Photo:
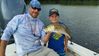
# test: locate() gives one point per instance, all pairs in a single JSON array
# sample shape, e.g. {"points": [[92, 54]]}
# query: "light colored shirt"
{"points": [[23, 27]]}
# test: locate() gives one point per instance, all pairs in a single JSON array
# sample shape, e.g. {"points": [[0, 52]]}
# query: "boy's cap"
{"points": [[35, 4], [53, 11]]}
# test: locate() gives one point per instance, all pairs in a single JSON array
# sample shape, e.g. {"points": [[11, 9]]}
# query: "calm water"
{"points": [[83, 22]]}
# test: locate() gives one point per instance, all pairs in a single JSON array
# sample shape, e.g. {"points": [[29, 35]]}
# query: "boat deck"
{"points": [[11, 51], [73, 50]]}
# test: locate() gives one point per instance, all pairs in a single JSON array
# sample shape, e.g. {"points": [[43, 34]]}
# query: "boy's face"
{"points": [[53, 18]]}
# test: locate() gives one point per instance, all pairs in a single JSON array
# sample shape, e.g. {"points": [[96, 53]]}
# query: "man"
{"points": [[27, 32], [57, 33]]}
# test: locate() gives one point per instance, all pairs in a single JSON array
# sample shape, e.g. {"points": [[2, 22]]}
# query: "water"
{"points": [[83, 22]]}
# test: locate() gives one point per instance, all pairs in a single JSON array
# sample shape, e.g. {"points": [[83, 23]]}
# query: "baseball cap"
{"points": [[35, 4], [53, 11]]}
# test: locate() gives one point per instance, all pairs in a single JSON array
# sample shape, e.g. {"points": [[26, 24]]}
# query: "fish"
{"points": [[57, 29]]}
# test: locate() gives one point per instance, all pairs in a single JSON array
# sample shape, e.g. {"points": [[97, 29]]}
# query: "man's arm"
{"points": [[3, 47], [9, 30], [0, 41]]}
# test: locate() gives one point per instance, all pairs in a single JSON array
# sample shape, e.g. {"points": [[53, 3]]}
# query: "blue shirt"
{"points": [[23, 27], [56, 42]]}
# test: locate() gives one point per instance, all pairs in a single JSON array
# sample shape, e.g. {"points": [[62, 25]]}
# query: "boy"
{"points": [[57, 34]]}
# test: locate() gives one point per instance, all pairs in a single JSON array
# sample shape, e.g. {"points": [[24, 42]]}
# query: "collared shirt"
{"points": [[23, 27]]}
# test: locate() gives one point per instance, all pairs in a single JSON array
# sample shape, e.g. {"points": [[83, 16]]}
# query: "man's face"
{"points": [[34, 12], [53, 18]]}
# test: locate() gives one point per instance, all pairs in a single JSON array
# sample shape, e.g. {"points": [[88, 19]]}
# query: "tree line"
{"points": [[71, 2], [68, 2]]}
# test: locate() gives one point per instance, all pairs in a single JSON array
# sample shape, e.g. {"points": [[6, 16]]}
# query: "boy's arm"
{"points": [[3, 47], [46, 37], [65, 43]]}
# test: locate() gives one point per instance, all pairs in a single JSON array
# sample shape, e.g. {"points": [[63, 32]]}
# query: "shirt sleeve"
{"points": [[10, 29]]}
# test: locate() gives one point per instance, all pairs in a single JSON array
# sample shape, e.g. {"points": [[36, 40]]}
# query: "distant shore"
{"points": [[68, 2]]}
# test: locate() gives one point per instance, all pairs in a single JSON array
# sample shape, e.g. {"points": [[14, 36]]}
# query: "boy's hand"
{"points": [[46, 37], [48, 33]]}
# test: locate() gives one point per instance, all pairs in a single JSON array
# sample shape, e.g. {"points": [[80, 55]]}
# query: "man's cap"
{"points": [[35, 4], [53, 11]]}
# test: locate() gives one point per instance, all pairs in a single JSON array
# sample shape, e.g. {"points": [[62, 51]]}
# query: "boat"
{"points": [[73, 50]]}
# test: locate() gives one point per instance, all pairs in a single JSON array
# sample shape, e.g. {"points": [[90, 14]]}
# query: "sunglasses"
{"points": [[39, 9]]}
